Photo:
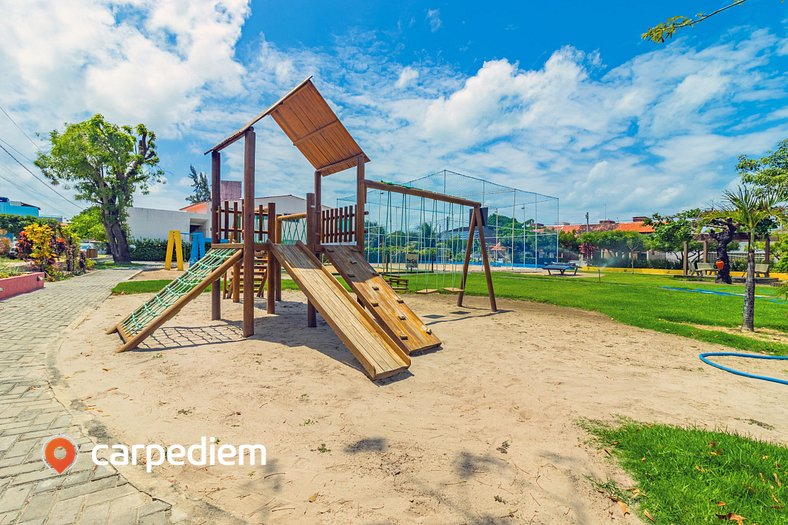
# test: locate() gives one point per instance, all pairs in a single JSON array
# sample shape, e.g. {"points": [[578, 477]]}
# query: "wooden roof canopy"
{"points": [[313, 127]]}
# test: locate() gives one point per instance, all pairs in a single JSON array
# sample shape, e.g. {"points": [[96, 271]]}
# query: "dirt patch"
{"points": [[483, 430]]}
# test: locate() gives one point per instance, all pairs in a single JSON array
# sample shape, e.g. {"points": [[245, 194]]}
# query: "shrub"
{"points": [[36, 244], [7, 271], [5, 246], [153, 250]]}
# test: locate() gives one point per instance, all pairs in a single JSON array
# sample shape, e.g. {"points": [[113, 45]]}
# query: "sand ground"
{"points": [[484, 430]]}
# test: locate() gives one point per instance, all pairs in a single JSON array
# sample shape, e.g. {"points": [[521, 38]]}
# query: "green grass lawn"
{"points": [[634, 299], [697, 477], [640, 300]]}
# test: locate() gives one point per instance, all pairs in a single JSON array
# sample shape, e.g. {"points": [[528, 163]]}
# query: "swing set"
{"points": [[431, 248]]}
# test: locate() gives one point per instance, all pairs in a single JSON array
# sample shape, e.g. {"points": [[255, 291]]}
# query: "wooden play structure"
{"points": [[373, 321]]}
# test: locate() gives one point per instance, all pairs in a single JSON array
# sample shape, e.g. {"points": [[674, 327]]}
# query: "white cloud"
{"points": [[133, 61], [656, 133], [434, 19], [406, 76]]}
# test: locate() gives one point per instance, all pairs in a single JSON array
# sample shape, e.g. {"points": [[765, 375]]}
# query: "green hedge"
{"points": [[156, 249]]}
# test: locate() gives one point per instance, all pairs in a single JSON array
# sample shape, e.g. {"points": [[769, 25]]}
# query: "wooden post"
{"points": [[468, 250], [270, 257], [485, 259], [318, 213], [705, 250], [273, 267], [216, 177], [361, 199], [311, 231], [685, 265], [248, 232]]}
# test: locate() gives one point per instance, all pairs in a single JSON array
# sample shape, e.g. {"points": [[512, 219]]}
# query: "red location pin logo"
{"points": [[60, 453]]}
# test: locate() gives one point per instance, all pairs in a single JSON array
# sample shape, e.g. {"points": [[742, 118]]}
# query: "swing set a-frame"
{"points": [[373, 322]]}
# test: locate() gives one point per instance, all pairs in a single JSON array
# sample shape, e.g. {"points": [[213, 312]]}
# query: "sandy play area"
{"points": [[484, 430]]}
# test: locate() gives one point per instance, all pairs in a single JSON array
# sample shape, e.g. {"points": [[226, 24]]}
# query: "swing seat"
{"points": [[452, 290], [427, 290]]}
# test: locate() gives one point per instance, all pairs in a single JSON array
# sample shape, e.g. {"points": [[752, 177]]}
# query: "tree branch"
{"points": [[660, 32]]}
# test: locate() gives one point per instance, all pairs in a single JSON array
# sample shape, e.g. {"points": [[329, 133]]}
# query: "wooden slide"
{"points": [[378, 297], [377, 352]]}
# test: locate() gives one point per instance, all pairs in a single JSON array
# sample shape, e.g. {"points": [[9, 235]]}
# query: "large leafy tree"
{"points": [[769, 171], [672, 231], [87, 225], [748, 207], [106, 164], [201, 191]]}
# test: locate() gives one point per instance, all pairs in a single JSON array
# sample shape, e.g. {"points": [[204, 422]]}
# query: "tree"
{"points": [[748, 207], [200, 190], [568, 242], [106, 164], [87, 225], [665, 30], [672, 231], [769, 171], [722, 230]]}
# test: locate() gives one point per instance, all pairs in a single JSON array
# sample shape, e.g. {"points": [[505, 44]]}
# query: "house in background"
{"points": [[149, 223], [9, 207]]}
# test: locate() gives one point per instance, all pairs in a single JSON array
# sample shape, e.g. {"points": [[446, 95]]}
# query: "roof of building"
{"points": [[19, 203], [313, 127], [635, 226]]}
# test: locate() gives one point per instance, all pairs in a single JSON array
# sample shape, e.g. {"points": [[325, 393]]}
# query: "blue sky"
{"points": [[561, 97]]}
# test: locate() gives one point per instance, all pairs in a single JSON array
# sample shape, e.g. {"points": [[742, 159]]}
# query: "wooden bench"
{"points": [[761, 270], [702, 269], [560, 267]]}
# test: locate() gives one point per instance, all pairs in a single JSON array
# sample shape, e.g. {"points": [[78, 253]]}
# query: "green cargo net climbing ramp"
{"points": [[158, 310]]}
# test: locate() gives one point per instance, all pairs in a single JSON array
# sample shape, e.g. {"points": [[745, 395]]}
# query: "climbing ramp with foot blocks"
{"points": [[379, 354], [378, 297], [143, 321]]}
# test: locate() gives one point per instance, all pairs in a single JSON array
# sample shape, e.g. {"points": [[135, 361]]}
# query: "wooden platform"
{"points": [[390, 310], [377, 352]]}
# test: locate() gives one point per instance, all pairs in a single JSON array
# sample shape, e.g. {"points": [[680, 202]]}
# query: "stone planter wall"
{"points": [[11, 286]]}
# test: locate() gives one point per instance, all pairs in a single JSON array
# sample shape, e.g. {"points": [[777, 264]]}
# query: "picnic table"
{"points": [[560, 267]]}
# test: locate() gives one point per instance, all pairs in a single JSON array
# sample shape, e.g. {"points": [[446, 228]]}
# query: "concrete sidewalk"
{"points": [[30, 491]]}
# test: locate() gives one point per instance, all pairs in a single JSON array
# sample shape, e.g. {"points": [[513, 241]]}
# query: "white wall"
{"points": [[285, 204], [148, 223]]}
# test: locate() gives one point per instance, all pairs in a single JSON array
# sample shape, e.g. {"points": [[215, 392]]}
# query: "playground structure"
{"points": [[376, 325]]}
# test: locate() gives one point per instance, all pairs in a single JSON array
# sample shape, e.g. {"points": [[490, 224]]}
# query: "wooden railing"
{"points": [[229, 217], [338, 225]]}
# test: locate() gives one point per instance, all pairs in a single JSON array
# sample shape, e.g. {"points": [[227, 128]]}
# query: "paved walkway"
{"points": [[31, 492]]}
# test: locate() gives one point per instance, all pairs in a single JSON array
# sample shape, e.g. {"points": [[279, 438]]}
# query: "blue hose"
{"points": [[704, 357]]}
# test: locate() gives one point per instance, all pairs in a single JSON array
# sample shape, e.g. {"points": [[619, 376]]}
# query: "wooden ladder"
{"points": [[234, 279]]}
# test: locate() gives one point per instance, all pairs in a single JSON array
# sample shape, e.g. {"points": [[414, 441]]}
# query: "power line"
{"points": [[25, 191], [19, 128], [40, 180], [19, 152]]}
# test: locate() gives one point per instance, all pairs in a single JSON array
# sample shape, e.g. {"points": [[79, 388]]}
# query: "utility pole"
{"points": [[588, 225]]}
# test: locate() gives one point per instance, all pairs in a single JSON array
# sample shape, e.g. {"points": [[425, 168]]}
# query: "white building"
{"points": [[149, 223]]}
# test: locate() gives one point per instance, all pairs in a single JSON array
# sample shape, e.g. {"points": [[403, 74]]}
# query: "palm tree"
{"points": [[748, 206]]}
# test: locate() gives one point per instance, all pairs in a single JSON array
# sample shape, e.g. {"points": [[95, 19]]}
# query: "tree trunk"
{"points": [[116, 238], [724, 238], [121, 255], [748, 322], [767, 253]]}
